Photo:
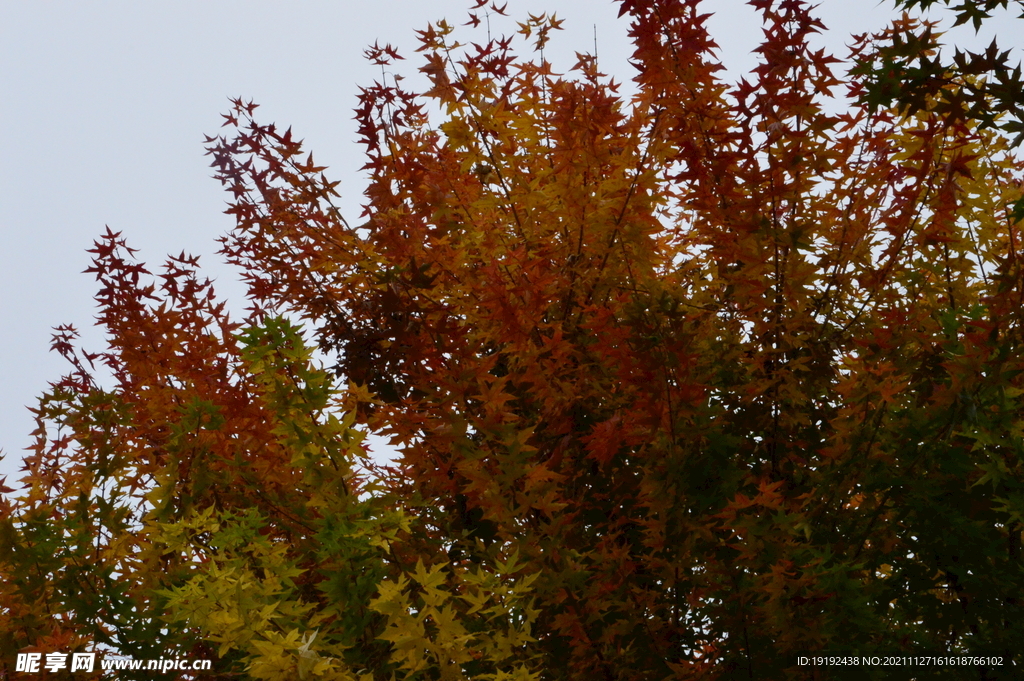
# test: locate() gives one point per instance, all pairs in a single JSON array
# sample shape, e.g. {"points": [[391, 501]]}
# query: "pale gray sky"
{"points": [[105, 103]]}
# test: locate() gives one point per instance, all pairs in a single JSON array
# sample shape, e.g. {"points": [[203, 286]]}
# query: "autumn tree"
{"points": [[682, 384]]}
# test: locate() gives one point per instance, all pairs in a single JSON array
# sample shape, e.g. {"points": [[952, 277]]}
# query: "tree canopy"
{"points": [[682, 384]]}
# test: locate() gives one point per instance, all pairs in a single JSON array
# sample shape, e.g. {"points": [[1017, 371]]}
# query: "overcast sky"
{"points": [[104, 104]]}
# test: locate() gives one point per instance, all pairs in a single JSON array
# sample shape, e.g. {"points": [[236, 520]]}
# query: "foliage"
{"points": [[208, 506], [683, 384], [908, 70]]}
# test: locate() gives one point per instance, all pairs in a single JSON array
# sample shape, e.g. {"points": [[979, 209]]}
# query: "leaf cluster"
{"points": [[907, 69]]}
